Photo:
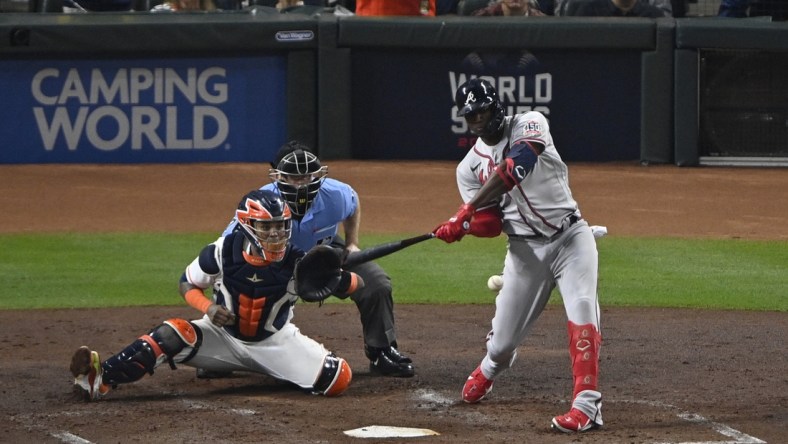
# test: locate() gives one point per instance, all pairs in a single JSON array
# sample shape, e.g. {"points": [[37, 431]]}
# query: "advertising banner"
{"points": [[403, 101], [142, 110]]}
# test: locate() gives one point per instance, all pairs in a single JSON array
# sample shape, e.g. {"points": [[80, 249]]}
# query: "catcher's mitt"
{"points": [[318, 274]]}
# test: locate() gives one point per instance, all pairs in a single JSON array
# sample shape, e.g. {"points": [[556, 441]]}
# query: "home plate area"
{"points": [[379, 431]]}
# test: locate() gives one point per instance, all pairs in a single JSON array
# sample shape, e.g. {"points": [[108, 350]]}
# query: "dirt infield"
{"points": [[668, 375]]}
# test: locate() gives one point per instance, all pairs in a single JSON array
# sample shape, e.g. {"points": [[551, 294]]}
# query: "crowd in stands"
{"points": [[777, 10]]}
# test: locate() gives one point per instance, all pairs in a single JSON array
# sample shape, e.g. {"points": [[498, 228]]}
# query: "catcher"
{"points": [[260, 275]]}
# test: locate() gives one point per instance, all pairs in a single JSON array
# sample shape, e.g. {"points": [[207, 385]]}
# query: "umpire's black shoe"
{"points": [[389, 362]]}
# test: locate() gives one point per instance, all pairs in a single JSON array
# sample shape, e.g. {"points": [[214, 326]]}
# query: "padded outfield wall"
{"points": [[151, 88], [590, 77], [232, 86]]}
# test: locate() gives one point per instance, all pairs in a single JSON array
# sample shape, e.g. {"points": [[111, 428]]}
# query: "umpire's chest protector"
{"points": [[259, 293]]}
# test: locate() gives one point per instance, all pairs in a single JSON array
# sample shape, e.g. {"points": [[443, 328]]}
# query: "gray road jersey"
{"points": [[539, 204]]}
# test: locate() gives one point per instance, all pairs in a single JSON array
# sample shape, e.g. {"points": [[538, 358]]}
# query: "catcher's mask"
{"points": [[299, 175], [265, 220], [476, 96]]}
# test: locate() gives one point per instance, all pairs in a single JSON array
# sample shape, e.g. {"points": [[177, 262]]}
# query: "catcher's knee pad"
{"points": [[334, 378], [148, 351], [185, 335], [584, 344]]}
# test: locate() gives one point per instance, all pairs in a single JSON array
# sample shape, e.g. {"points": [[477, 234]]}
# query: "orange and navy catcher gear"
{"points": [[165, 342], [334, 378], [256, 293], [265, 220]]}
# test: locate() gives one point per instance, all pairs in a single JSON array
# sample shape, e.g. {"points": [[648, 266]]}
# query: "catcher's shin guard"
{"points": [[334, 378], [148, 351], [584, 344]]}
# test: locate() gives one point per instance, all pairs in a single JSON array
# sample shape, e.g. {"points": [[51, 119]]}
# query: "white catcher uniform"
{"points": [[549, 244]]}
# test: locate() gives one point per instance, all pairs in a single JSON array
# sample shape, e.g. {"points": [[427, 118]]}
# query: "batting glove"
{"points": [[455, 228]]}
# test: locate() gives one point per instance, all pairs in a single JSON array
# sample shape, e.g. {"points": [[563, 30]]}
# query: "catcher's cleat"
{"points": [[389, 362], [476, 387], [87, 371], [573, 421], [212, 374]]}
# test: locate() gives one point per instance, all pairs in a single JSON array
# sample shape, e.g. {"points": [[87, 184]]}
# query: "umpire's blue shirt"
{"points": [[335, 202]]}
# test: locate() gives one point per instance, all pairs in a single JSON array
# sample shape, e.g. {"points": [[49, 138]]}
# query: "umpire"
{"points": [[319, 204]]}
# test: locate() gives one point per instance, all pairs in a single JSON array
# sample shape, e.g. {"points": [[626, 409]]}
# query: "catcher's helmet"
{"points": [[478, 95], [298, 175], [265, 220]]}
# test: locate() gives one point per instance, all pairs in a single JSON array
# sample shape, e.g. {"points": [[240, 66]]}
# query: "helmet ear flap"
{"points": [[496, 120]]}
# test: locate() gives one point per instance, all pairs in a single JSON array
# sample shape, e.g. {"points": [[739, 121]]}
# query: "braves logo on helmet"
{"points": [[471, 98]]}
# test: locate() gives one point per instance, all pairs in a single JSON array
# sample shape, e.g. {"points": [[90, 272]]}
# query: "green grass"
{"points": [[98, 270], [727, 274], [81, 270]]}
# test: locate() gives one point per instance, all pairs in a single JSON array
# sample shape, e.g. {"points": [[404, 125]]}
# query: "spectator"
{"points": [[507, 8], [733, 8], [394, 7], [350, 5], [613, 8], [310, 7], [185, 5], [297, 6], [563, 6], [468, 7], [665, 5], [96, 5], [446, 7], [776, 9]]}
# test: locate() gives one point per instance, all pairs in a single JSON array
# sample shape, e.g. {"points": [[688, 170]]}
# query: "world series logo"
{"points": [[519, 78]]}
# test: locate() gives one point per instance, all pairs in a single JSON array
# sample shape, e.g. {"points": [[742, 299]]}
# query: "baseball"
{"points": [[495, 282]]}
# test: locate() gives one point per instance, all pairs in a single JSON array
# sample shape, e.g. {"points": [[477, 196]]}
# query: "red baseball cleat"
{"points": [[476, 387], [574, 421]]}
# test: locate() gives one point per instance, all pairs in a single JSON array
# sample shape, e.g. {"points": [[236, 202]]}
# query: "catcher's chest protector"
{"points": [[259, 294]]}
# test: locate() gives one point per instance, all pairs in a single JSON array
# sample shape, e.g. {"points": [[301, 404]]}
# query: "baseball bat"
{"points": [[378, 251]]}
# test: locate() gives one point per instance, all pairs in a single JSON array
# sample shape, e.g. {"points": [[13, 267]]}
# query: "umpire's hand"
{"points": [[220, 316]]}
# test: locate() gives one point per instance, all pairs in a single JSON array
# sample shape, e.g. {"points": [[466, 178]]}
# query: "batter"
{"points": [[513, 180]]}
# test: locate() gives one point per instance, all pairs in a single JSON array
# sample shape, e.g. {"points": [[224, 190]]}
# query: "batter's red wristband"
{"points": [[506, 175]]}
